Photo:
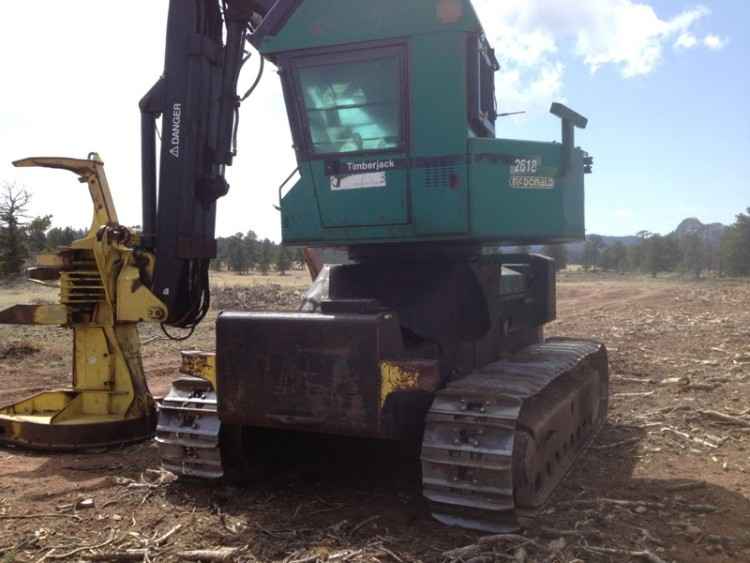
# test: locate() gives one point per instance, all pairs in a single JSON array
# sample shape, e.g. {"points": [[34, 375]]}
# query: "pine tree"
{"points": [[299, 257], [559, 253], [283, 261], [743, 251], [236, 254], [661, 254], [57, 237], [13, 248], [672, 257], [222, 254], [266, 255], [215, 265], [607, 258], [652, 252], [37, 233], [620, 257], [735, 247], [694, 254], [614, 258], [252, 252], [636, 254], [592, 252], [634, 258]]}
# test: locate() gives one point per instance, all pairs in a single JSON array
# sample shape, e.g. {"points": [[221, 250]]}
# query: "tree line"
{"points": [[244, 252], [22, 236], [692, 253]]}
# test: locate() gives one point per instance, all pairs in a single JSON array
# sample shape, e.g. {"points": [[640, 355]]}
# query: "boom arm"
{"points": [[199, 105]]}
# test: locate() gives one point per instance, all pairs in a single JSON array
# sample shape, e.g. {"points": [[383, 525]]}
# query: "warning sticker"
{"points": [[358, 181]]}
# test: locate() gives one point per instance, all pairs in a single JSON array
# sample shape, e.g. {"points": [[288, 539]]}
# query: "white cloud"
{"points": [[523, 47], [630, 36], [532, 36], [624, 33], [686, 41], [714, 42], [525, 89]]}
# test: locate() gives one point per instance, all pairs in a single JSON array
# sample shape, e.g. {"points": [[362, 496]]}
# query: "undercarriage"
{"points": [[498, 412]]}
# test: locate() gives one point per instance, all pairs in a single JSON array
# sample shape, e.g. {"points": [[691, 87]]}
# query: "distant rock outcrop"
{"points": [[575, 249], [712, 232]]}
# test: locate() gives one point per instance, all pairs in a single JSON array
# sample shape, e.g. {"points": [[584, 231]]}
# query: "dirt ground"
{"points": [[668, 479]]}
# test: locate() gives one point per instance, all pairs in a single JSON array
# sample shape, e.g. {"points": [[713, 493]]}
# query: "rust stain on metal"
{"points": [[199, 364], [73, 437], [408, 375], [43, 274], [449, 11], [315, 387], [18, 315], [34, 315], [136, 284]]}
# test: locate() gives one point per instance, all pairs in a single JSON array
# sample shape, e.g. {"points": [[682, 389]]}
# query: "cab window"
{"points": [[352, 106], [482, 65]]}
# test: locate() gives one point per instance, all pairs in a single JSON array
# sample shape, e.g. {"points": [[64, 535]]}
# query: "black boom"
{"points": [[197, 100]]}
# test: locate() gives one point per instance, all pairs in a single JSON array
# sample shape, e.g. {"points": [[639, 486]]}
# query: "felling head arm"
{"points": [[90, 171], [101, 276]]}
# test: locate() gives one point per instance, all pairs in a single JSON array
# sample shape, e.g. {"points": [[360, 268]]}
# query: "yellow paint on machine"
{"points": [[200, 364], [102, 297], [407, 376]]}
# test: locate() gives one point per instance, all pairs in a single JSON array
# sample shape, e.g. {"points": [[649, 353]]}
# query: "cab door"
{"points": [[353, 112]]}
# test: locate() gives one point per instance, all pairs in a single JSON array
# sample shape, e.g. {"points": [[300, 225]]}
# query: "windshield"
{"points": [[353, 106]]}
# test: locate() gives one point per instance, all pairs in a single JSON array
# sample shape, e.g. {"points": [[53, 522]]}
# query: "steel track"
{"points": [[188, 430], [500, 439]]}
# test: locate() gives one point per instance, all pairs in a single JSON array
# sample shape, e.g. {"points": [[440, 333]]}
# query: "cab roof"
{"points": [[307, 24]]}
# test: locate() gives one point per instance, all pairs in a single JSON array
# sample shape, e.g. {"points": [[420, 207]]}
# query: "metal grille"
{"points": [[82, 284], [439, 176]]}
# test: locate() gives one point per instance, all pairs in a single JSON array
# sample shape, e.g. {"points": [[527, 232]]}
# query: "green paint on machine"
{"points": [[392, 108]]}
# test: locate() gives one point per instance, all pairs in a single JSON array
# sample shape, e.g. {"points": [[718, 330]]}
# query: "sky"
{"points": [[665, 85]]}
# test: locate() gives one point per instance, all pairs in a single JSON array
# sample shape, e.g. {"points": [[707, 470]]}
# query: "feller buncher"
{"points": [[429, 333]]}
